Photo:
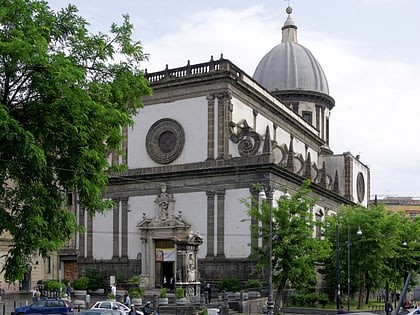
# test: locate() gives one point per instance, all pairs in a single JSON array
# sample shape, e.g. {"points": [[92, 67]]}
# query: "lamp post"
{"points": [[337, 266], [359, 232], [270, 302]]}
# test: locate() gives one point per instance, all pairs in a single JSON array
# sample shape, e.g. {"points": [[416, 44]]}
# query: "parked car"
{"points": [[410, 312], [112, 305], [100, 311], [47, 306]]}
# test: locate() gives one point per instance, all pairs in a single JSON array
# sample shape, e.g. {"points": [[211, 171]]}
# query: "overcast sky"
{"points": [[369, 50]]}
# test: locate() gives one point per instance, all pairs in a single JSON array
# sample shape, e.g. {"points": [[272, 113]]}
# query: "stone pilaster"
{"points": [[220, 223], [210, 223]]}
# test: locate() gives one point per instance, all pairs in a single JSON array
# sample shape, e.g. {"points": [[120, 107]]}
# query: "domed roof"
{"points": [[290, 66]]}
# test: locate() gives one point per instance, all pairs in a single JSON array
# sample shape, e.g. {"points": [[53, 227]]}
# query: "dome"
{"points": [[290, 66]]}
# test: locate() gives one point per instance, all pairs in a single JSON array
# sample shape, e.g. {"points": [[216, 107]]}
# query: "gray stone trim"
{"points": [[254, 222], [89, 240], [82, 244], [210, 223], [124, 229], [348, 173], [116, 229], [222, 123], [220, 223], [210, 127], [167, 151], [230, 174]]}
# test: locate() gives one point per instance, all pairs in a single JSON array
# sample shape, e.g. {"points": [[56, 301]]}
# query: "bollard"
{"points": [[4, 309]]}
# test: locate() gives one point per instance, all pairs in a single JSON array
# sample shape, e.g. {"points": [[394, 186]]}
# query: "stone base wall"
{"points": [[125, 266], [214, 269]]}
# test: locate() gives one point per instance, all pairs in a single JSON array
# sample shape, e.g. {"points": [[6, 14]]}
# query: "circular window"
{"points": [[165, 141], [360, 187]]}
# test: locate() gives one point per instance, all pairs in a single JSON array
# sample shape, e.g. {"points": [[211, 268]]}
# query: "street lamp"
{"points": [[270, 302], [359, 232]]}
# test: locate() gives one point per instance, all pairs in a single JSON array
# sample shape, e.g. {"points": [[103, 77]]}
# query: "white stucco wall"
{"points": [[360, 168], [195, 148], [237, 230], [102, 235]]}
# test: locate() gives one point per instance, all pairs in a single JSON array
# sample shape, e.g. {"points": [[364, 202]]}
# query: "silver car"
{"points": [[112, 305]]}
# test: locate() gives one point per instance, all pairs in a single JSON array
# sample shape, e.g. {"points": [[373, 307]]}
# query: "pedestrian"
{"points": [[341, 310], [147, 309], [127, 300], [388, 308], [132, 310], [207, 290], [69, 291], [113, 290]]}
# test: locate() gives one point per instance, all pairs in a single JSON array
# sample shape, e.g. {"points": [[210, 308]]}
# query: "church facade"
{"points": [[206, 136]]}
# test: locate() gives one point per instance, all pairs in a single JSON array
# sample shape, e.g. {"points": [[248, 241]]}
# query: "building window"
{"points": [[307, 116]]}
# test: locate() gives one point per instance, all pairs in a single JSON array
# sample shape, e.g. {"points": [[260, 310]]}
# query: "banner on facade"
{"points": [[165, 254]]}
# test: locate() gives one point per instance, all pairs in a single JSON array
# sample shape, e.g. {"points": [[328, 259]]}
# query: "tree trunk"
{"points": [[278, 302], [367, 295], [360, 298]]}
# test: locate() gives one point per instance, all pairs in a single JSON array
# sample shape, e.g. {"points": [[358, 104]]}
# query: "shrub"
{"points": [[298, 300], [180, 293], [53, 285], [253, 284], [323, 299], [80, 283], [230, 284], [97, 279], [136, 292], [120, 277], [312, 298], [110, 296], [137, 280], [164, 293]]}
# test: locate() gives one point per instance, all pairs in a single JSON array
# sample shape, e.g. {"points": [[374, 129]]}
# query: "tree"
{"points": [[65, 97], [296, 251], [380, 246]]}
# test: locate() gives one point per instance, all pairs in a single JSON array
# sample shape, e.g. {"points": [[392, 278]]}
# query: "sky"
{"points": [[368, 49]]}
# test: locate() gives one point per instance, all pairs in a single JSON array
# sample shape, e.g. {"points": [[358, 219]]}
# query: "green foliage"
{"points": [[163, 293], [295, 251], [137, 280], [253, 284], [110, 296], [323, 299], [380, 246], [80, 283], [179, 293], [121, 277], [229, 284], [53, 285], [309, 300], [97, 279], [137, 292], [65, 96]]}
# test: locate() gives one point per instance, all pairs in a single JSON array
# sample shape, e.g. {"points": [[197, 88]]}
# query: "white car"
{"points": [[412, 312], [112, 305]]}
